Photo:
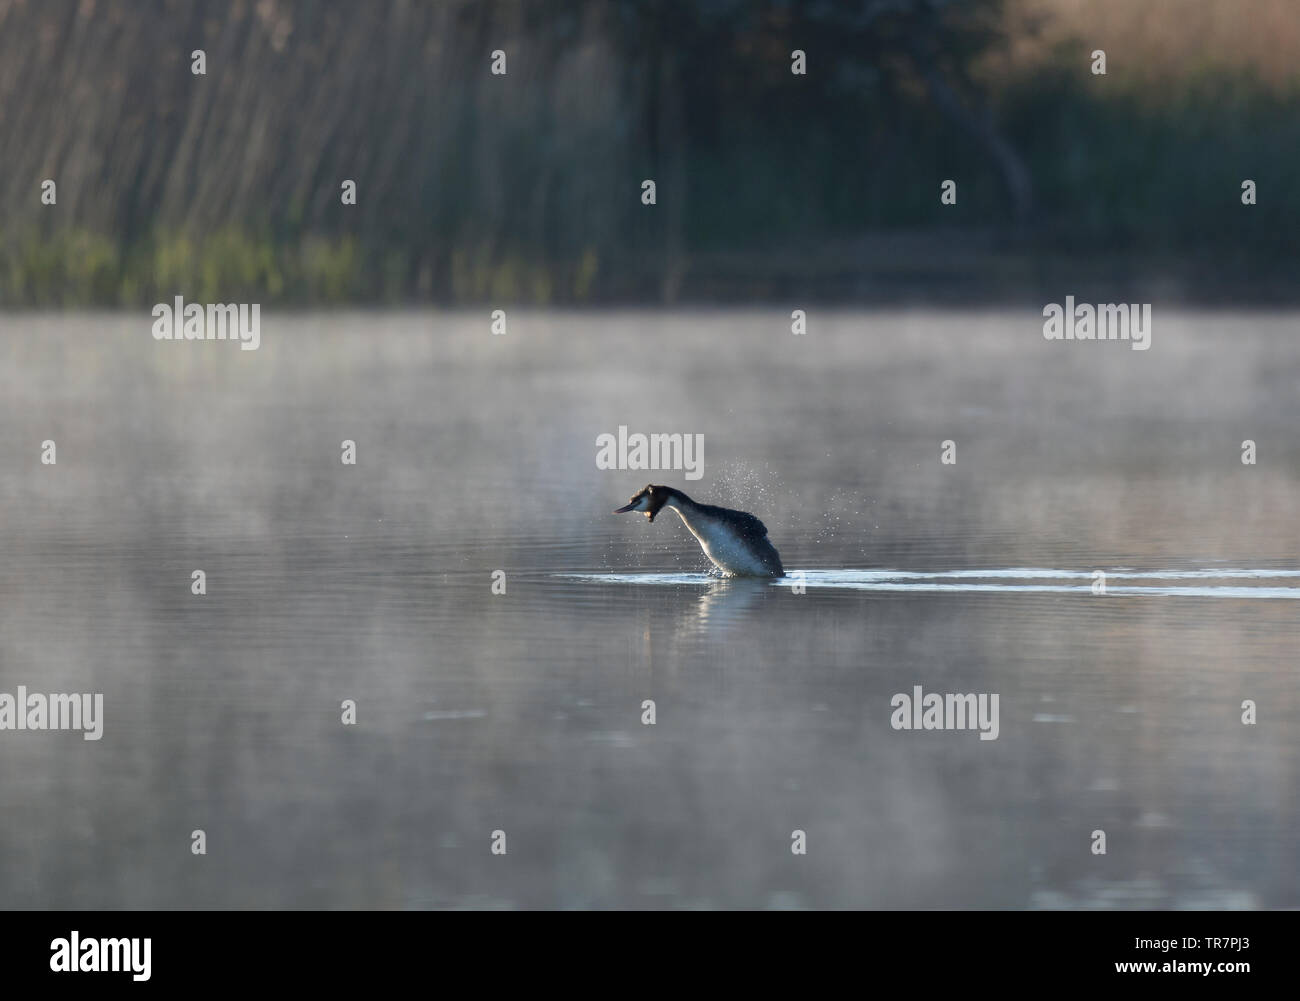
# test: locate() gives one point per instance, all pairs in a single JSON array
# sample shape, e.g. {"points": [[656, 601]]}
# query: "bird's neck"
{"points": [[685, 508]]}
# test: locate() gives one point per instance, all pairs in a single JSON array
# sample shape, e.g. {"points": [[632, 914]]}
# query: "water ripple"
{"points": [[1011, 580]]}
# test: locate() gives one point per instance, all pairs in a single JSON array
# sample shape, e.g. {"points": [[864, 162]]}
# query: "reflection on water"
{"points": [[727, 602], [523, 712]]}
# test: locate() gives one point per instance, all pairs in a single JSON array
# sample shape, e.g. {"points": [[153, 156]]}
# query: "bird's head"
{"points": [[648, 501]]}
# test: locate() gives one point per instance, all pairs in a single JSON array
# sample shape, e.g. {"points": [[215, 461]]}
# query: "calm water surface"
{"points": [[522, 712]]}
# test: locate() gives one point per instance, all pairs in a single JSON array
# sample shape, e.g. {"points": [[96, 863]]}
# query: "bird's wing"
{"points": [[746, 523]]}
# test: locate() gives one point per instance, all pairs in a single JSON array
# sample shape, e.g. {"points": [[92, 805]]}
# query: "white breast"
{"points": [[729, 552]]}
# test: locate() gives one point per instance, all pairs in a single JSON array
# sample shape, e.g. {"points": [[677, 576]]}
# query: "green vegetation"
{"points": [[525, 188]]}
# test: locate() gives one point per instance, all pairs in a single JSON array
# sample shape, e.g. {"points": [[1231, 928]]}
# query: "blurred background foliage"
{"points": [[526, 188]]}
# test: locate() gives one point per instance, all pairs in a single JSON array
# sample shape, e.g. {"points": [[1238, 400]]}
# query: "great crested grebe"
{"points": [[735, 541]]}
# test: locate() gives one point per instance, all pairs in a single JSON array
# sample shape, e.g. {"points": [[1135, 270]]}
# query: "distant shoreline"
{"points": [[954, 269]]}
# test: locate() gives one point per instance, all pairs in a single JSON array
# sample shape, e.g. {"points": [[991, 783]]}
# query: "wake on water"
{"points": [[1012, 580]]}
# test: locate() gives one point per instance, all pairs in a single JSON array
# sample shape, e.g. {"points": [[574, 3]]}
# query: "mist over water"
{"points": [[522, 712]]}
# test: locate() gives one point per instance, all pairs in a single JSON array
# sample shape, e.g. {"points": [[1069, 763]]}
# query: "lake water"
{"points": [[1119, 712]]}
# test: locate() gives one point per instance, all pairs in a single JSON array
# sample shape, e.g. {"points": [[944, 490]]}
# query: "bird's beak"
{"points": [[625, 508]]}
